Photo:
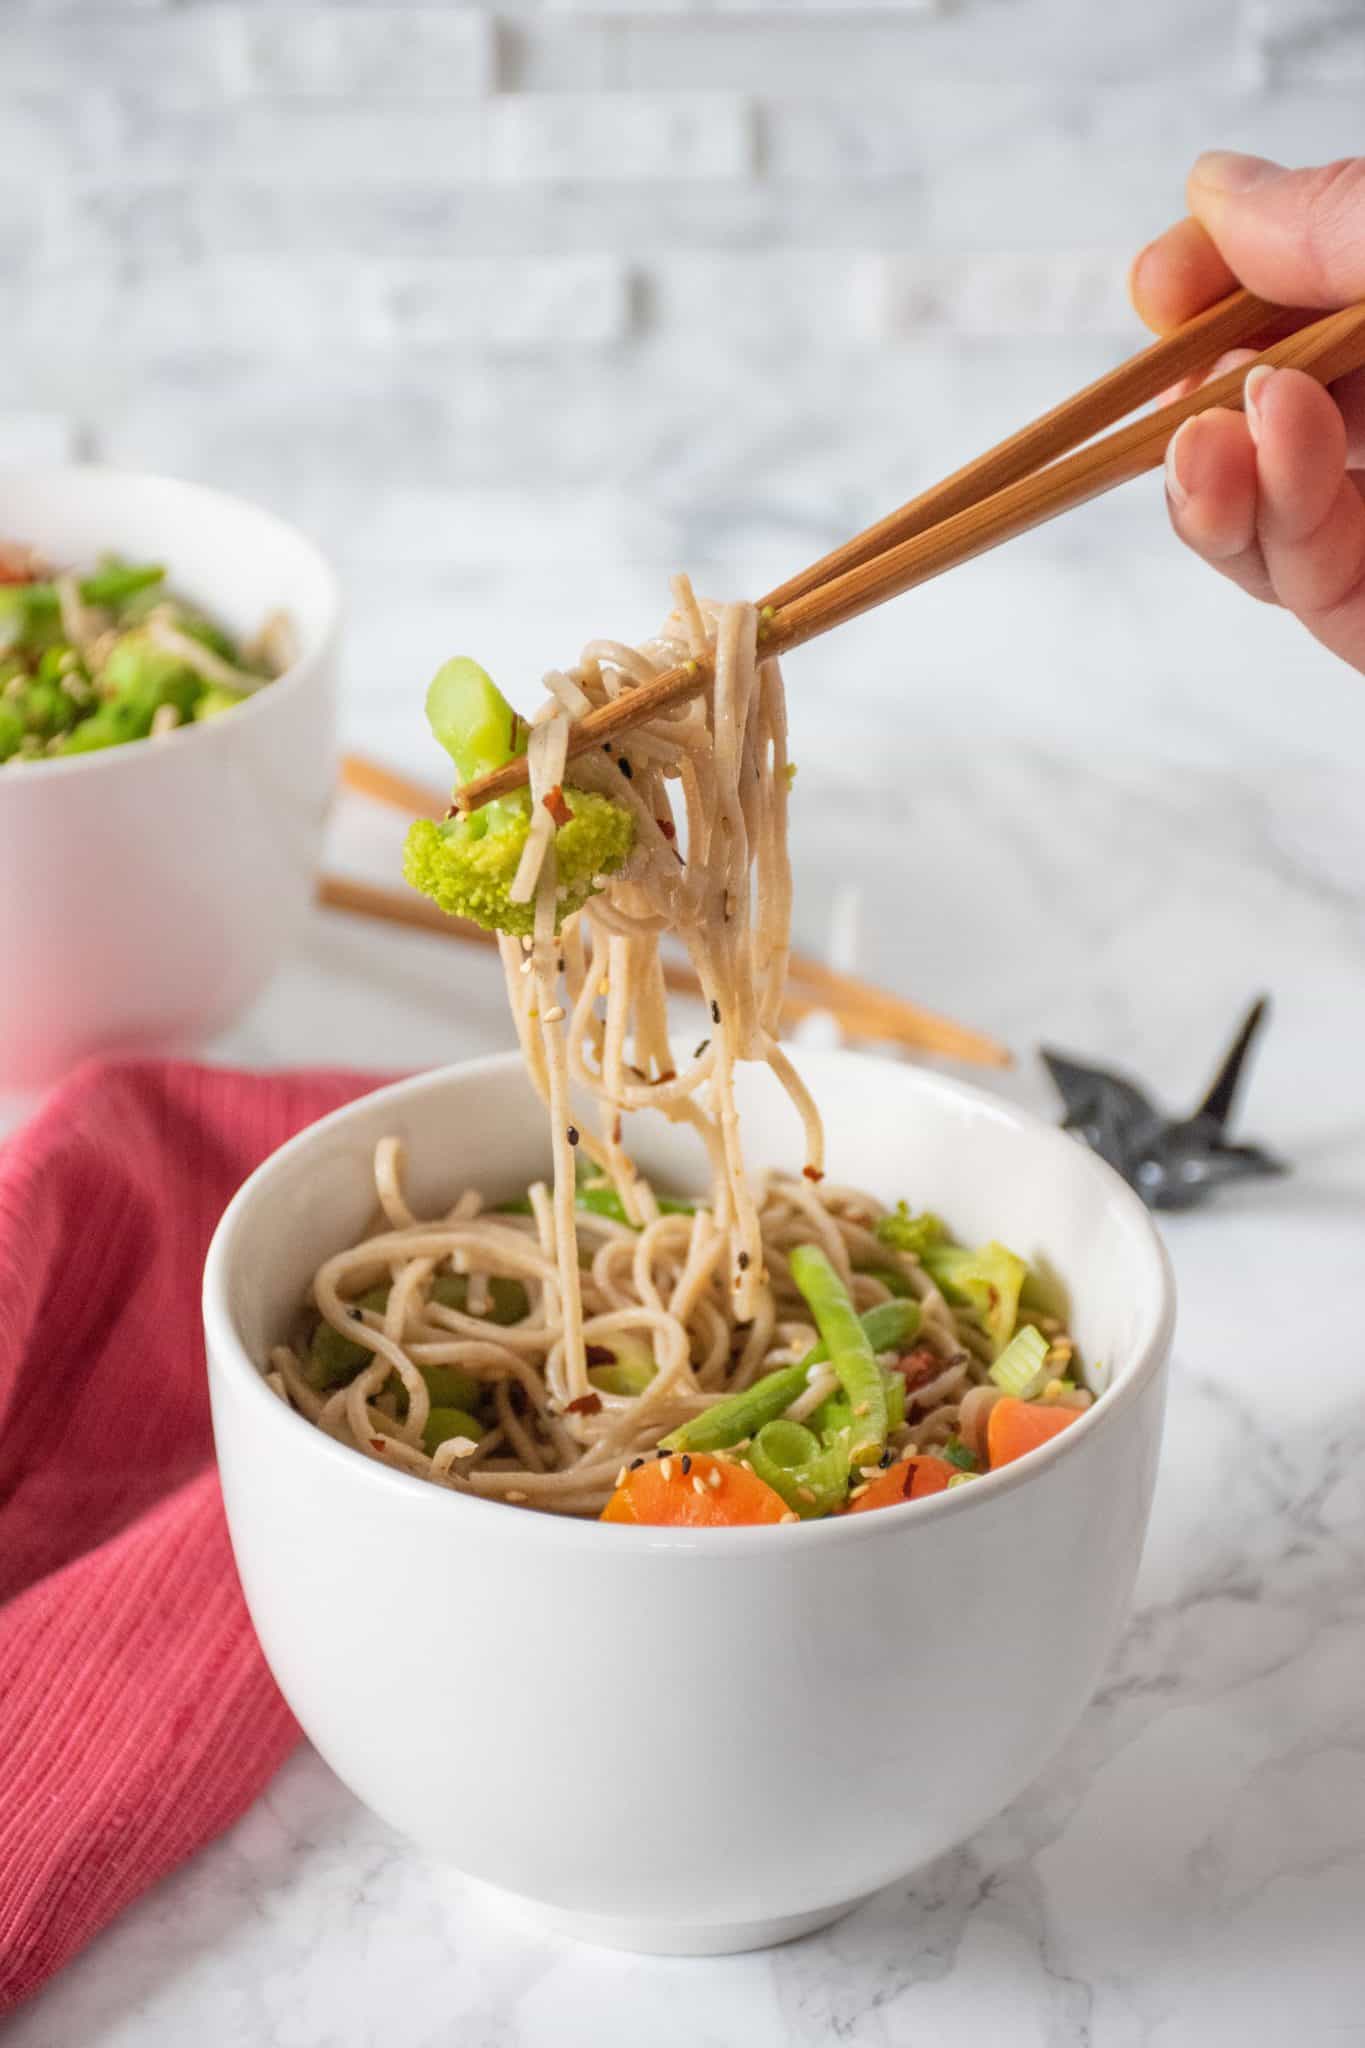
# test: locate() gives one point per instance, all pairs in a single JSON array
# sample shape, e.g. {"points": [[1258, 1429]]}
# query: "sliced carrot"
{"points": [[661, 1494], [1014, 1428], [912, 1479]]}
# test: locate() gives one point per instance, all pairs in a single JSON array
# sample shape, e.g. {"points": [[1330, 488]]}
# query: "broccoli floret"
{"points": [[468, 865], [907, 1233]]}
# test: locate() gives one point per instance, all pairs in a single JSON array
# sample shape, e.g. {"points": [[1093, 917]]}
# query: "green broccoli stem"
{"points": [[885, 1327], [850, 1349], [472, 719]]}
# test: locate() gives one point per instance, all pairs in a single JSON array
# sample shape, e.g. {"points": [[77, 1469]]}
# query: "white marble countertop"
{"points": [[1112, 850]]}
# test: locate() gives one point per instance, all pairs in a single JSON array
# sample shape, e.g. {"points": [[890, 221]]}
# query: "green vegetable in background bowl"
{"points": [[92, 661]]}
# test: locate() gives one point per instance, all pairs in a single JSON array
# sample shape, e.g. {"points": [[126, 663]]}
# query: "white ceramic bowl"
{"points": [[150, 890], [690, 1741]]}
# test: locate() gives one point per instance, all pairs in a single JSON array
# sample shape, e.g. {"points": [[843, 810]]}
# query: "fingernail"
{"points": [[1227, 170], [1177, 486], [1253, 396]]}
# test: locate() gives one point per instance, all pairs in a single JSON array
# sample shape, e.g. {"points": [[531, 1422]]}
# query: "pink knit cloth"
{"points": [[137, 1717]]}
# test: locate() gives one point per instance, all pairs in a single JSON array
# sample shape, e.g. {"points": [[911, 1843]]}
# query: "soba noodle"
{"points": [[703, 1297]]}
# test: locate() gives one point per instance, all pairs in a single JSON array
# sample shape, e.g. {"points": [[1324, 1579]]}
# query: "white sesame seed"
{"points": [[858, 1491], [621, 1476], [555, 1014], [791, 1516], [713, 1477], [698, 1483], [666, 1468], [515, 1498]]}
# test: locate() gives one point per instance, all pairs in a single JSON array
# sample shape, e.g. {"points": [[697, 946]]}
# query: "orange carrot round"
{"points": [[1014, 1428], [662, 1494], [912, 1479]]}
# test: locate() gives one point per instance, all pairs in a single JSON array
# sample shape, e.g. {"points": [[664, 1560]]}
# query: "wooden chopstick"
{"points": [[865, 1010], [1327, 349], [1230, 323]]}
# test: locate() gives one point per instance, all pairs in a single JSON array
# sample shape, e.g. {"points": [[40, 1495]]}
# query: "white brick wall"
{"points": [[708, 279]]}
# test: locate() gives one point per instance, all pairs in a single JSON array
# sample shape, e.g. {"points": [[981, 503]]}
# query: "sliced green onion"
{"points": [[956, 1453], [1019, 1370], [987, 1282], [811, 1477]]}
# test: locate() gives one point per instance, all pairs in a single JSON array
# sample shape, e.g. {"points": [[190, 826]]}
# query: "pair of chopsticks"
{"points": [[1017, 485], [862, 1010]]}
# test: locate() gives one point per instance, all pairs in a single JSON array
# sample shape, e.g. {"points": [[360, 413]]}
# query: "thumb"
{"points": [[1297, 237]]}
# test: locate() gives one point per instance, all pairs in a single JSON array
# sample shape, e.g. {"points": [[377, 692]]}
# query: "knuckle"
{"points": [[1334, 201]]}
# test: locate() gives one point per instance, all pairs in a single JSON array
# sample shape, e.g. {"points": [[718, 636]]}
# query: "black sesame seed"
{"points": [[562, 963], [606, 746], [701, 1049], [355, 1315], [636, 1463], [660, 1452], [743, 1262], [715, 1013], [572, 1134], [625, 768], [686, 1464], [885, 1459]]}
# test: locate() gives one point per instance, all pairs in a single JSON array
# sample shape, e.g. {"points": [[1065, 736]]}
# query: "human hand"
{"points": [[1274, 497]]}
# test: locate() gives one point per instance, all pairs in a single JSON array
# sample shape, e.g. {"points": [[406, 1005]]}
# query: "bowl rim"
{"points": [[228, 1355], [316, 651]]}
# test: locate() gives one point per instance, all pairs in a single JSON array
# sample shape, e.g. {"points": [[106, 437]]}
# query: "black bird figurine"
{"points": [[1172, 1162]]}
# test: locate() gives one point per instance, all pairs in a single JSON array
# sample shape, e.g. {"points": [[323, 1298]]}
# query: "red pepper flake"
{"points": [[812, 1173], [908, 1483], [586, 1404], [554, 803], [600, 1354], [667, 827], [919, 1366], [668, 1074], [379, 1443]]}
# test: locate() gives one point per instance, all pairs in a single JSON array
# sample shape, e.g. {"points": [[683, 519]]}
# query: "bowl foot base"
{"points": [[677, 1938]]}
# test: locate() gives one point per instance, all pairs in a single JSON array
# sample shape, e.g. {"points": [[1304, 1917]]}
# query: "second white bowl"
{"points": [[150, 890]]}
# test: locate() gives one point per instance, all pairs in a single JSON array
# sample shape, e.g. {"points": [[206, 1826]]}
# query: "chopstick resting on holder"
{"points": [[1006, 492]]}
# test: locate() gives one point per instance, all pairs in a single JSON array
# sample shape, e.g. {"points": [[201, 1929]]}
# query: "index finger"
{"points": [[1176, 276]]}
